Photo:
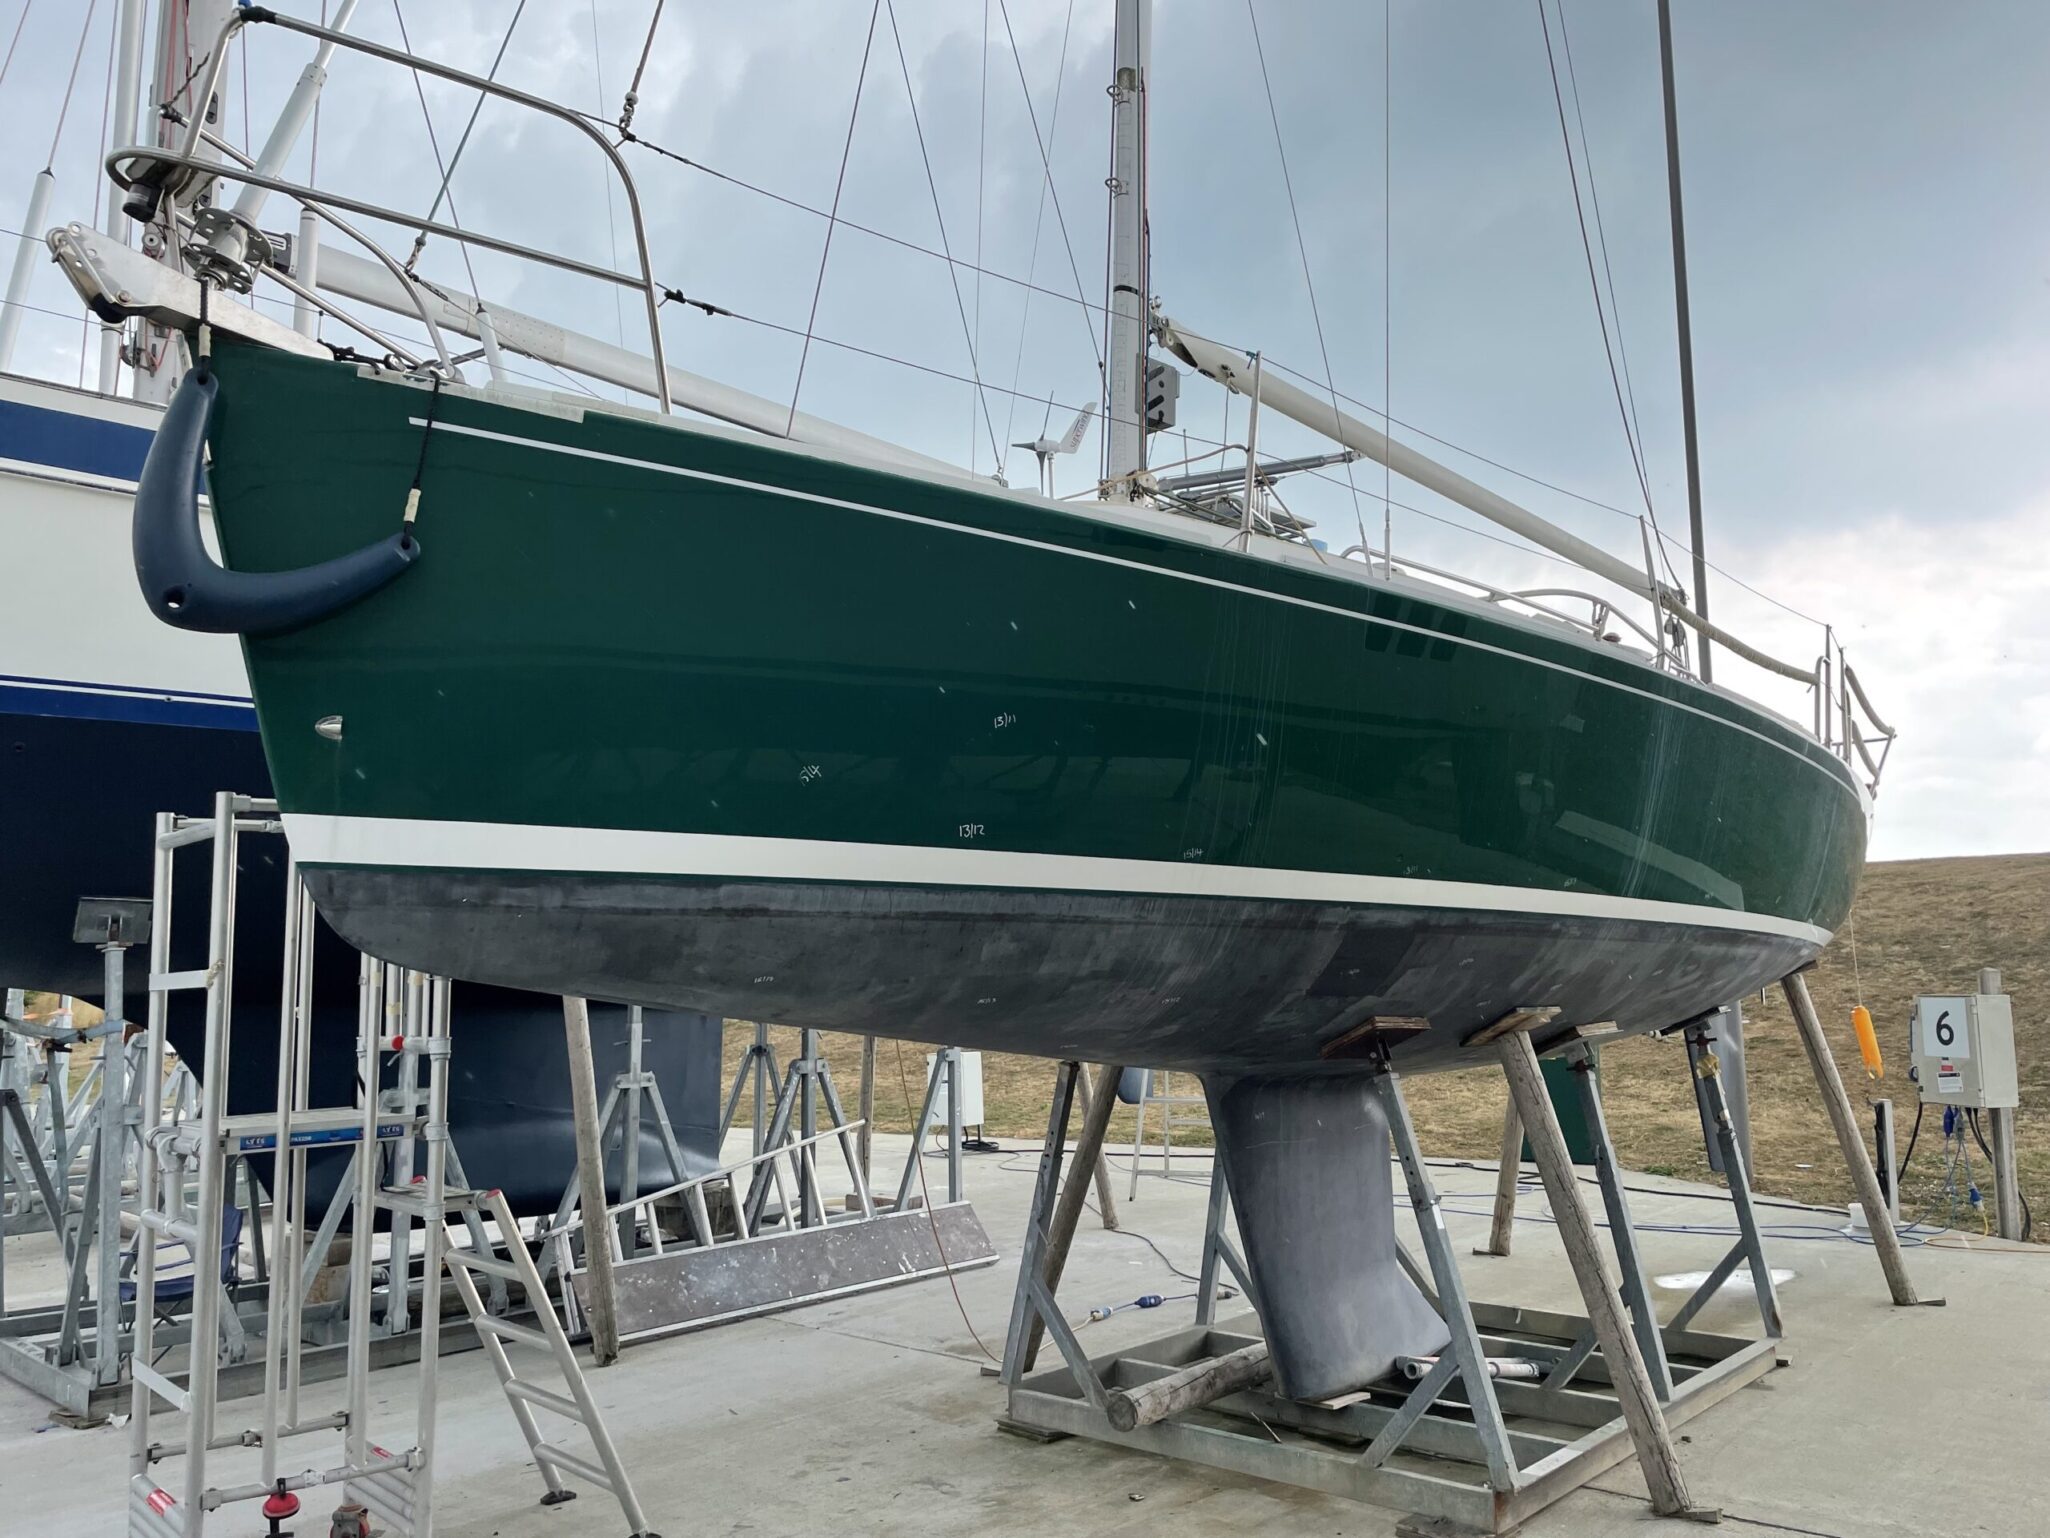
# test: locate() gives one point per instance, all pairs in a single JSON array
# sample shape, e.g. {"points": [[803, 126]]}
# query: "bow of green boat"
{"points": [[680, 714]]}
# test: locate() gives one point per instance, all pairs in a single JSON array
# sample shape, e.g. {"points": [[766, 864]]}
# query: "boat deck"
{"points": [[870, 1414]]}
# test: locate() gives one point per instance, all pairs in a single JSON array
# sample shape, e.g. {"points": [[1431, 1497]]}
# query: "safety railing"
{"points": [[236, 249], [787, 1167], [1842, 717]]}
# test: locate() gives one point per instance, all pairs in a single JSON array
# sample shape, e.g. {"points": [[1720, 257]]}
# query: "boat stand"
{"points": [[402, 1015], [632, 1105], [61, 1351], [1523, 1406], [756, 1236]]}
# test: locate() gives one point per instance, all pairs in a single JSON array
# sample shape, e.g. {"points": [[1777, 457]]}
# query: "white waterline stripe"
{"points": [[1139, 566], [429, 844]]}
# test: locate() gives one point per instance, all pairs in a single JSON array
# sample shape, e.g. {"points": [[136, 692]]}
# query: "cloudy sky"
{"points": [[1868, 211]]}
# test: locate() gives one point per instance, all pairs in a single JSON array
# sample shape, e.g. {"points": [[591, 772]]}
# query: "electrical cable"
{"points": [[2028, 1218], [933, 1221]]}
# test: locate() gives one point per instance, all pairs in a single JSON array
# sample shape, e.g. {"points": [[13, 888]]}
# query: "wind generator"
{"points": [[1067, 443]]}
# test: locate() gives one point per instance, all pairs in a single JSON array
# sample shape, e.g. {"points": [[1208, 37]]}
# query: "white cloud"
{"points": [[1949, 630]]}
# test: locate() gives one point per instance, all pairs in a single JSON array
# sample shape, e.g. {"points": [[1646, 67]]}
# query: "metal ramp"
{"points": [[759, 1235]]}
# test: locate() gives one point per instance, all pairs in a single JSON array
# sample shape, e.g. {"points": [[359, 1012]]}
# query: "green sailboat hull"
{"points": [[674, 715]]}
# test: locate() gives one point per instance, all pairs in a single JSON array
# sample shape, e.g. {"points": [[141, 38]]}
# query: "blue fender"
{"points": [[184, 586]]}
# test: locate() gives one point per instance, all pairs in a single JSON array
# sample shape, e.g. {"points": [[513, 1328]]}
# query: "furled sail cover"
{"points": [[1306, 1159]]}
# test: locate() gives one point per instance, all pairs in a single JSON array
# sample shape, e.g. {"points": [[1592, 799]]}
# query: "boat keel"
{"points": [[1306, 1159]]}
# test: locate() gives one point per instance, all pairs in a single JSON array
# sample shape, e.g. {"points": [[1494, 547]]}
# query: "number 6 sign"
{"points": [[1941, 1026]]}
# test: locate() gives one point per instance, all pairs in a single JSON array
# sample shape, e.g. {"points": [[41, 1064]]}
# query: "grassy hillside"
{"points": [[1921, 926]]}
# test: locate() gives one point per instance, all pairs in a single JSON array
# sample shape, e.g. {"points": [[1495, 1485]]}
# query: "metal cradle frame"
{"points": [[1523, 1406]]}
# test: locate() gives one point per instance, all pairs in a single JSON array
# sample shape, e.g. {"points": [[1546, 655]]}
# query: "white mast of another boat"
{"points": [[127, 97], [1127, 302]]}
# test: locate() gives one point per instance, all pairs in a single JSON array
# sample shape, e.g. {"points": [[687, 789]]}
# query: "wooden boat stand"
{"points": [[1523, 1406]]}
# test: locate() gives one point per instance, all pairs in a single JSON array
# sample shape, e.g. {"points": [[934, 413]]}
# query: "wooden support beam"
{"points": [[1507, 1174], [1523, 1018], [602, 1308], [1191, 1388], [1574, 1035], [1372, 1036], [1849, 1139], [1089, 1087], [1642, 1414], [1068, 1211]]}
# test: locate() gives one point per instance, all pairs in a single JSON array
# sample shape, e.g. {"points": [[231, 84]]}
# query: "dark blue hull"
{"points": [[82, 776]]}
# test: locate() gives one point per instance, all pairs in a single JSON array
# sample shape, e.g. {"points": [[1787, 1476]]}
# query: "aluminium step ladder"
{"points": [[403, 1164], [546, 1338]]}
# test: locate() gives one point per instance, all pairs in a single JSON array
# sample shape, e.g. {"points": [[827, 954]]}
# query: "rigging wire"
{"points": [[1594, 197], [14, 42], [981, 187], [1302, 251], [833, 219], [433, 143], [633, 90], [70, 84], [1038, 223], [940, 219], [1033, 289], [611, 211], [1594, 286], [1054, 193], [1387, 278], [463, 143]]}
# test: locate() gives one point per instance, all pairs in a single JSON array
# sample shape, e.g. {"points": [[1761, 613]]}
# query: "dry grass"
{"points": [[1921, 926]]}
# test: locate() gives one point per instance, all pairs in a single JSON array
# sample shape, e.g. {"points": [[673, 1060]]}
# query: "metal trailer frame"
{"points": [[1523, 1406]]}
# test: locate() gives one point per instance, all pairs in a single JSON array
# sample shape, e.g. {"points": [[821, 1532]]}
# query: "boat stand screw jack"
{"points": [[350, 1521], [279, 1507]]}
